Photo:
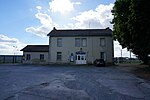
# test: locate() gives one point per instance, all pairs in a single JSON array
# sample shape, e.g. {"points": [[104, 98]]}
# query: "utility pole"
{"points": [[14, 58], [121, 60], [130, 56], [121, 53], [149, 60]]}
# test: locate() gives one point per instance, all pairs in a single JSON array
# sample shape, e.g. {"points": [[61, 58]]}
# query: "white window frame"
{"points": [[80, 42], [83, 42]]}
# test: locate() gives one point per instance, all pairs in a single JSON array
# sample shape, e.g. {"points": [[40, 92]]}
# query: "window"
{"points": [[41, 56], [84, 42], [102, 55], [82, 57], [28, 57], [59, 42], [102, 42], [59, 56], [78, 57], [80, 42], [77, 42]]}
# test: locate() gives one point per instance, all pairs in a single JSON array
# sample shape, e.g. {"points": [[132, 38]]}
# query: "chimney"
{"points": [[54, 28], [107, 28]]}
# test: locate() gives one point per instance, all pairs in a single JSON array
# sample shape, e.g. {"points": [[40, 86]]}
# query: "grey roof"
{"points": [[36, 48], [80, 32]]}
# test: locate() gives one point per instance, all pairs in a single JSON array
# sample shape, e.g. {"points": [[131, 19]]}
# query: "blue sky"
{"points": [[26, 22]]}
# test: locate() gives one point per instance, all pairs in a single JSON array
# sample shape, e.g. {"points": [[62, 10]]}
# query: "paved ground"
{"points": [[22, 82]]}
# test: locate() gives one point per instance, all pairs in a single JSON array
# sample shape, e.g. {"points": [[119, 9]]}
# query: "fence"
{"points": [[126, 60], [11, 58]]}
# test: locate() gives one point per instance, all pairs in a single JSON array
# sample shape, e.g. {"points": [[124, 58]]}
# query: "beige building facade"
{"points": [[35, 54], [80, 46]]}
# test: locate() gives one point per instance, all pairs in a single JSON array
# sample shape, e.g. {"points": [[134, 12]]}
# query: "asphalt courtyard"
{"points": [[35, 82]]}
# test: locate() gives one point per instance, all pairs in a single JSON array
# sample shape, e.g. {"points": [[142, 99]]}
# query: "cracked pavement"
{"points": [[31, 82]]}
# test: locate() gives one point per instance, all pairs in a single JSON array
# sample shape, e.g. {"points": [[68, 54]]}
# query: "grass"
{"points": [[143, 72], [138, 69]]}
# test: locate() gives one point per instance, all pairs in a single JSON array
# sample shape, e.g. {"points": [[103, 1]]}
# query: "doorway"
{"points": [[80, 58]]}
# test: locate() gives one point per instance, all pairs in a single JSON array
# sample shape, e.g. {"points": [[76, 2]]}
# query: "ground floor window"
{"points": [[41, 56], [59, 56], [28, 57], [103, 55]]}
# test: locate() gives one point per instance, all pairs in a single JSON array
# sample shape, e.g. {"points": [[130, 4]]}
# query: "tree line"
{"points": [[131, 26]]}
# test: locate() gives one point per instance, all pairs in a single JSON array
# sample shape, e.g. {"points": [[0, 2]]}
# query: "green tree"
{"points": [[131, 26]]}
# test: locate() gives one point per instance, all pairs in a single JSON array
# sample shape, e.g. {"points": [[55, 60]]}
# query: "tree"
{"points": [[131, 26]]}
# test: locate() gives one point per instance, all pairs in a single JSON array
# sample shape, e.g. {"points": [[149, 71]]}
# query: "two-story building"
{"points": [[80, 46]]}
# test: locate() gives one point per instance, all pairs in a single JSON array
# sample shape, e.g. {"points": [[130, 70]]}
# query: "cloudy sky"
{"points": [[25, 22]]}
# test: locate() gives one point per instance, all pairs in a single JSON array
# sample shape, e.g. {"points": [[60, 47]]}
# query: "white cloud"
{"points": [[38, 7], [98, 18], [10, 45], [118, 50], [44, 18], [46, 25], [77, 3], [7, 40], [62, 6]]}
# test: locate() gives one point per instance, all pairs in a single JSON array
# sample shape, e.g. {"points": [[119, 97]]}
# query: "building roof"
{"points": [[80, 32], [36, 48]]}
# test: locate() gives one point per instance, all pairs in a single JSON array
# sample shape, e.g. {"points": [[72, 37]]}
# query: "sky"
{"points": [[27, 22]]}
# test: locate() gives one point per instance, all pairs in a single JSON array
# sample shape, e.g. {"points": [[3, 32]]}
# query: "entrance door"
{"points": [[80, 59]]}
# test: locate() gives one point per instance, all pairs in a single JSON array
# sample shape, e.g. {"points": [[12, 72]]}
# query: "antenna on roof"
{"points": [[107, 28], [89, 25]]}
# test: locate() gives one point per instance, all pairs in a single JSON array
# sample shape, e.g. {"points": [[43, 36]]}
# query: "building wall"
{"points": [[35, 57], [92, 49]]}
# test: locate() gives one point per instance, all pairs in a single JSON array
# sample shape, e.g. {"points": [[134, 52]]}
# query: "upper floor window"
{"points": [[28, 57], [41, 56], [102, 42], [77, 42], [59, 42], [83, 42], [80, 42]]}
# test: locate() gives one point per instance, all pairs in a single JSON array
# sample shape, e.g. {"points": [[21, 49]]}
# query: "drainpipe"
{"points": [[113, 52], [49, 52], [92, 51]]}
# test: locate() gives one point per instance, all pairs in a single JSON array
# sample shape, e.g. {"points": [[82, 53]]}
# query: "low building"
{"points": [[80, 46], [35, 54]]}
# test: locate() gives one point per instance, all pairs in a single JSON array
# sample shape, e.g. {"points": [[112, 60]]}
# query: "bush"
{"points": [[37, 61]]}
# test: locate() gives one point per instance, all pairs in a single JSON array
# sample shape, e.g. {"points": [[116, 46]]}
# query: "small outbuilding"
{"points": [[35, 54]]}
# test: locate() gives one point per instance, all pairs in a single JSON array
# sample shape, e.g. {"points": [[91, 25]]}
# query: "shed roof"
{"points": [[36, 48], [80, 32]]}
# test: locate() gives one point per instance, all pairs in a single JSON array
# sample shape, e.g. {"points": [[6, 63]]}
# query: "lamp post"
{"points": [[149, 60], [14, 49], [120, 59], [121, 53], [14, 58], [130, 55]]}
